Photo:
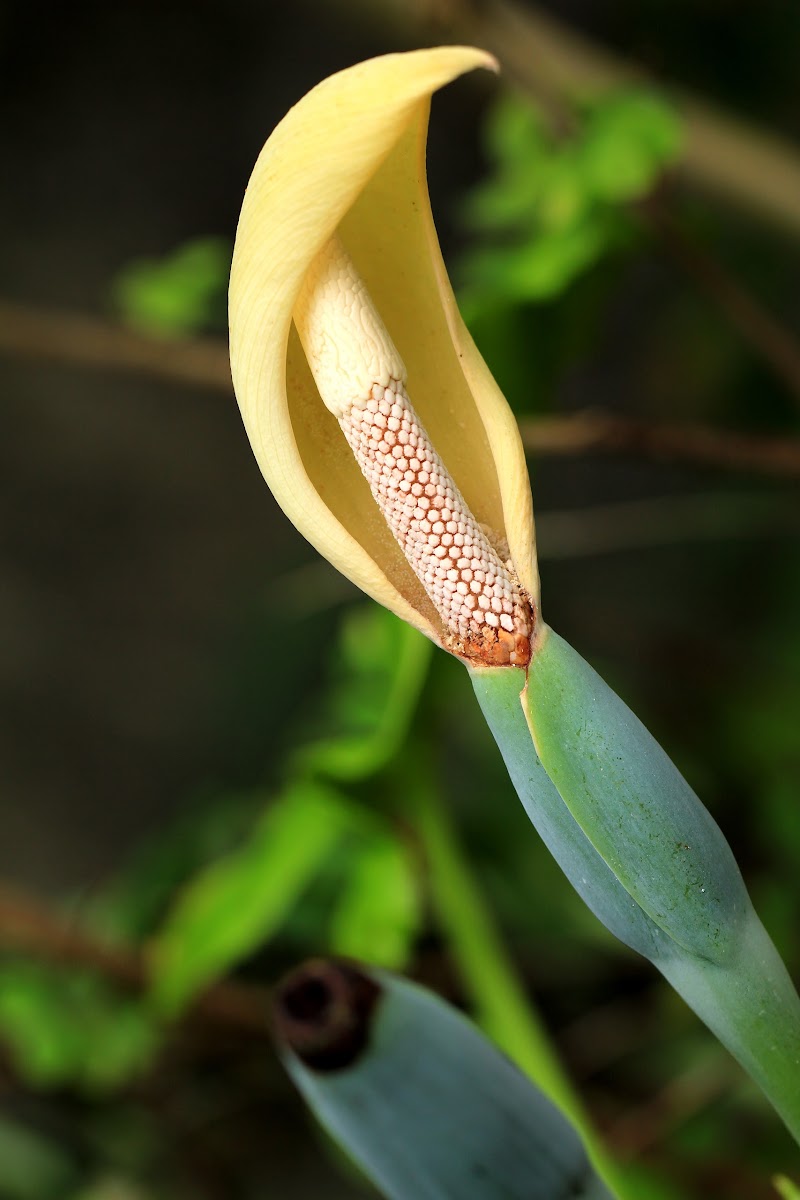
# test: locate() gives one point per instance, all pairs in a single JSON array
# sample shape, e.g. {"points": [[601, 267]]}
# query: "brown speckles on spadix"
{"points": [[473, 590], [361, 379]]}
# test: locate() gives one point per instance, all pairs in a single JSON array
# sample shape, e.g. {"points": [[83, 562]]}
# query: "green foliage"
{"points": [[629, 138], [337, 872], [112, 1187], [66, 1027], [378, 667], [237, 903], [179, 294], [556, 220], [554, 206], [31, 1166], [71, 1028], [378, 913]]}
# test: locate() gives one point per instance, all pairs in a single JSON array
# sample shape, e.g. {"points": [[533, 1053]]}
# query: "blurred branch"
{"points": [[555, 64], [64, 337], [687, 1094], [773, 342], [27, 925], [52, 336], [595, 432], [625, 525]]}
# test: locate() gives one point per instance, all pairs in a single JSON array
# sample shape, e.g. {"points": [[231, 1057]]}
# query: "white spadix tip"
{"points": [[346, 343]]}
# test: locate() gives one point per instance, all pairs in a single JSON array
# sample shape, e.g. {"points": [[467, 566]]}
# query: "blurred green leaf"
{"points": [[31, 1166], [112, 1187], [628, 140], [238, 902], [541, 268], [71, 1028], [122, 1042], [178, 294], [518, 146], [378, 672], [379, 913], [553, 205], [536, 179], [38, 1027], [785, 1188], [514, 128]]}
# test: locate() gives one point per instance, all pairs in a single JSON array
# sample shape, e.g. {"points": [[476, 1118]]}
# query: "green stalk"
{"points": [[752, 1007], [501, 1005], [645, 855]]}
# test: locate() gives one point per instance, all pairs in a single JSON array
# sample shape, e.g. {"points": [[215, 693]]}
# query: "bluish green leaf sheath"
{"points": [[427, 1106], [646, 856], [498, 693], [751, 1005], [633, 804], [237, 902]]}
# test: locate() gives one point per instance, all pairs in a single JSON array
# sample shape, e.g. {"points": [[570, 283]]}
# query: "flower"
{"points": [[344, 330], [375, 421]]}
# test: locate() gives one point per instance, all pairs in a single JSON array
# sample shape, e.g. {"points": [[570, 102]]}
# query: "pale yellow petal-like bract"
{"points": [[350, 158]]}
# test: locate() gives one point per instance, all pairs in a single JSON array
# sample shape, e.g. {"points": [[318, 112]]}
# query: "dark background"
{"points": [[142, 555], [139, 542]]}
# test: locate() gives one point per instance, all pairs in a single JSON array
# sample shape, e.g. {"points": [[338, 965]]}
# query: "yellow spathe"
{"points": [[349, 159]]}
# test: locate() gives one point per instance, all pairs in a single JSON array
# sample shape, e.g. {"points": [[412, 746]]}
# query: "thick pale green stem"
{"points": [[753, 1008], [646, 856]]}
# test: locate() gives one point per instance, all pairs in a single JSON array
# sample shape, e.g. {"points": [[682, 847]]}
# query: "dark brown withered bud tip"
{"points": [[323, 1013]]}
